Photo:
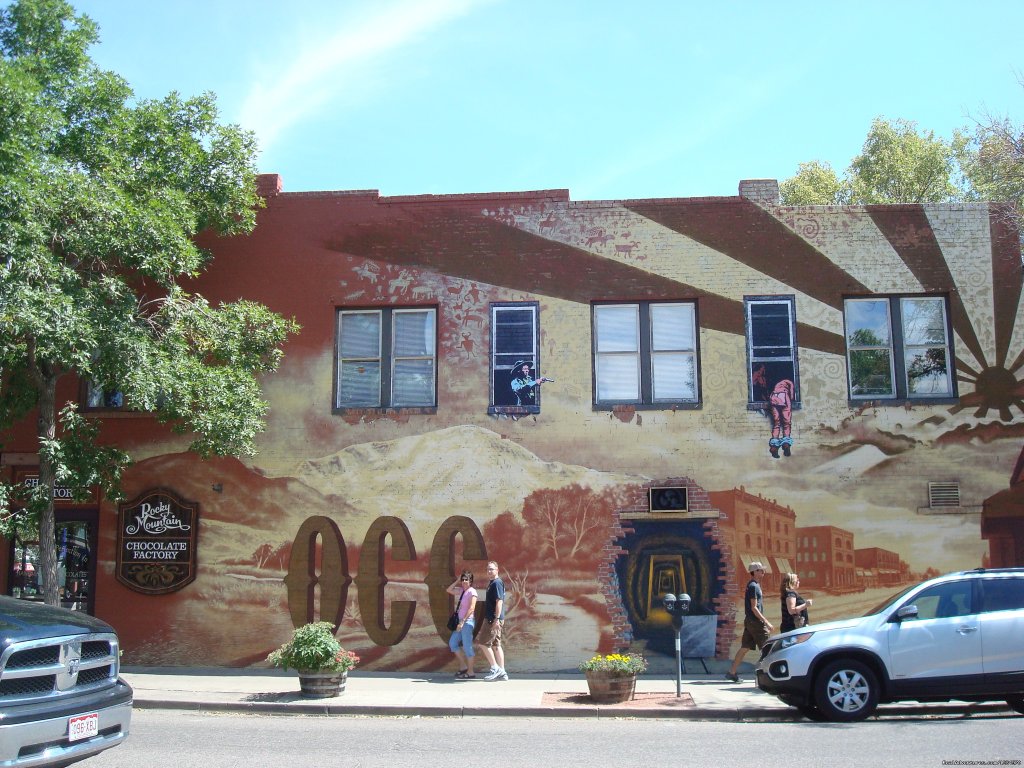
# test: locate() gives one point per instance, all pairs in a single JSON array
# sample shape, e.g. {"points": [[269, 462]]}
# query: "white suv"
{"points": [[958, 636]]}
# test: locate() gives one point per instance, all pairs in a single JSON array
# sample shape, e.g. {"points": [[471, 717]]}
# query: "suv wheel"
{"points": [[1017, 703], [846, 690]]}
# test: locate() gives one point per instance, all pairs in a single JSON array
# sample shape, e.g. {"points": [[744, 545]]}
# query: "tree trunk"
{"points": [[47, 429]]}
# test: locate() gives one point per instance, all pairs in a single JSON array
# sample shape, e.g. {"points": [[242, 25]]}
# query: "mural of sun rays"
{"points": [[731, 247]]}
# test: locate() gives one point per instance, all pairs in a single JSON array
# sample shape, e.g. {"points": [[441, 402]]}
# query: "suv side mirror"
{"points": [[906, 612]]}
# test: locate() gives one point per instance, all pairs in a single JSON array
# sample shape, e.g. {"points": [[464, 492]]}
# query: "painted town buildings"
{"points": [[613, 399]]}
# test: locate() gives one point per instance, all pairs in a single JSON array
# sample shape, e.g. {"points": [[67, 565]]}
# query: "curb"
{"points": [[747, 714], [606, 712]]}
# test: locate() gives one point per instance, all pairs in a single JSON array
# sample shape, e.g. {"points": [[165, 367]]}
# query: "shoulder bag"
{"points": [[453, 620]]}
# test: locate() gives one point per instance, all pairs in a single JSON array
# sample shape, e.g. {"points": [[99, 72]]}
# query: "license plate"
{"points": [[83, 726]]}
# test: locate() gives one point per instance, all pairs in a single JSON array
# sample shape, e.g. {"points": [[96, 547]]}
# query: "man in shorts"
{"points": [[756, 627], [489, 636]]}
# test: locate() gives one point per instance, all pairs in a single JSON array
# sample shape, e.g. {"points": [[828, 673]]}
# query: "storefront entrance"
{"points": [[76, 534]]}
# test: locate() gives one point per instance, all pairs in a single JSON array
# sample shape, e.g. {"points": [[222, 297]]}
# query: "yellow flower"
{"points": [[615, 663]]}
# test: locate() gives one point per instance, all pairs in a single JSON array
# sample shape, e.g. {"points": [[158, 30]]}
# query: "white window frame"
{"points": [[502, 360], [753, 358]]}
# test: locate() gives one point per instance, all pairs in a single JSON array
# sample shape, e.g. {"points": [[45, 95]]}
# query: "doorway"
{"points": [[76, 536]]}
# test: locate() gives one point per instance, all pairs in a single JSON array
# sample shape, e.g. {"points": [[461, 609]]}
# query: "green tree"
{"points": [[897, 164], [992, 159], [815, 183], [100, 197]]}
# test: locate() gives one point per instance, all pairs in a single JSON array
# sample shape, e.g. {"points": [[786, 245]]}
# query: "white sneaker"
{"points": [[495, 673]]}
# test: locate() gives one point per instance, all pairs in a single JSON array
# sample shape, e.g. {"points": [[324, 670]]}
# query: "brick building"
{"points": [[761, 530], [714, 368], [877, 567], [825, 558]]}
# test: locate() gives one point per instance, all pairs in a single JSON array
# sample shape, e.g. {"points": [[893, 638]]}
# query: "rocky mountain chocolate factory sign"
{"points": [[156, 542]]}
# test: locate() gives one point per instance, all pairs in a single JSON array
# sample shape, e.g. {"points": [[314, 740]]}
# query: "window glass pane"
{"points": [[924, 321], [412, 383], [927, 372], [103, 398], [870, 372], [513, 315], [1003, 594], [618, 378], [618, 328], [944, 601], [359, 384], [414, 334], [764, 375], [770, 330], [501, 383], [514, 339], [867, 323], [869, 342], [671, 327], [925, 352], [360, 335], [674, 377], [514, 332]]}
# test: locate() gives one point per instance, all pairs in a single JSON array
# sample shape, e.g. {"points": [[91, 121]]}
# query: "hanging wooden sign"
{"points": [[156, 542]]}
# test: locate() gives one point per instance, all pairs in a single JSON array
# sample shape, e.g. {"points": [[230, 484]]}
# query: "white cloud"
{"points": [[326, 71]]}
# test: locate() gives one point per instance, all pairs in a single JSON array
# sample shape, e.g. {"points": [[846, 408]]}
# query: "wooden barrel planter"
{"points": [[606, 688], [322, 685]]}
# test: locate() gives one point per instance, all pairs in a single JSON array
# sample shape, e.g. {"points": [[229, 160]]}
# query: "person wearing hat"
{"points": [[756, 627], [524, 384]]}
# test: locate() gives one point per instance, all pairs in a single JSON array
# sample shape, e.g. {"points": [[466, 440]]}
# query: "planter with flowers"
{"points": [[612, 678], [315, 653]]}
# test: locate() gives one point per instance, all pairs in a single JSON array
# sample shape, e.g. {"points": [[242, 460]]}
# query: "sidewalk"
{"points": [[437, 694]]}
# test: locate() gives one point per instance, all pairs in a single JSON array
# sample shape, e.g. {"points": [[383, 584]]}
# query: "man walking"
{"points": [[489, 637], [756, 627]]}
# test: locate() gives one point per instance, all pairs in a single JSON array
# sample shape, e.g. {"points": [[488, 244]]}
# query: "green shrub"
{"points": [[314, 648]]}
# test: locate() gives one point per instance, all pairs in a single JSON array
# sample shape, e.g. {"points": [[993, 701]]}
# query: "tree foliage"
{"points": [[101, 196], [901, 164], [897, 164], [992, 160], [815, 183]]}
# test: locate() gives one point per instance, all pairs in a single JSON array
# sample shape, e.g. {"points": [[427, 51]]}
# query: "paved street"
{"points": [[219, 740], [437, 694]]}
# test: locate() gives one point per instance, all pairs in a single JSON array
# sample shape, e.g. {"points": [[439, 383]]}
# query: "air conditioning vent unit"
{"points": [[671, 499], [943, 495]]}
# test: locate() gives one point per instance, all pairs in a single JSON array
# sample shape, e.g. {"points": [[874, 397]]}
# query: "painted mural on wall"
{"points": [[708, 346]]}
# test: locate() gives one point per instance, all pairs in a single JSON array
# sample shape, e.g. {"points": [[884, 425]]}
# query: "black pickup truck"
{"points": [[61, 699]]}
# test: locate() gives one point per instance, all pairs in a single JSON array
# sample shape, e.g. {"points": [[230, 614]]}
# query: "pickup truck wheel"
{"points": [[1016, 702], [846, 690]]}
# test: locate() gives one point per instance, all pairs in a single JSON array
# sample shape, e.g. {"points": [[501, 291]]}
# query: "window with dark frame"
{"points": [[646, 354], [899, 347], [515, 338], [771, 347], [386, 358], [98, 398]]}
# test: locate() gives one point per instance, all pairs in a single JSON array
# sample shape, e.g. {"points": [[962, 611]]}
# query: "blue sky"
{"points": [[610, 100]]}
